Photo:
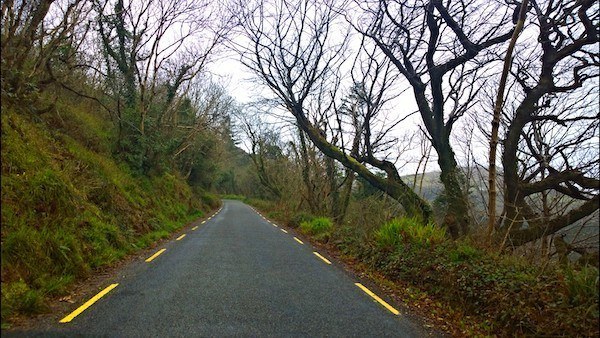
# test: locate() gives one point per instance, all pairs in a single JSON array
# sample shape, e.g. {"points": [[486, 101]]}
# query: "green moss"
{"points": [[68, 206]]}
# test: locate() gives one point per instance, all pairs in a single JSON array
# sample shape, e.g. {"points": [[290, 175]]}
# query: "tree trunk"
{"points": [[393, 185], [456, 219], [346, 193], [334, 196], [310, 191], [496, 121]]}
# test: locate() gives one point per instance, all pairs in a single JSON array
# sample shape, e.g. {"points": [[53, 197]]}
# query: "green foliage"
{"points": [[18, 296], [464, 252], [68, 206], [408, 230], [211, 200], [316, 225], [233, 197], [260, 204], [276, 215], [299, 218], [582, 286], [486, 294], [319, 227]]}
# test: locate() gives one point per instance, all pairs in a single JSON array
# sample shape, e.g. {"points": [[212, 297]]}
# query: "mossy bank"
{"points": [[69, 206]]}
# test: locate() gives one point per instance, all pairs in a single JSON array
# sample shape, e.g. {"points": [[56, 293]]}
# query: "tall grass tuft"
{"points": [[408, 230], [319, 227]]}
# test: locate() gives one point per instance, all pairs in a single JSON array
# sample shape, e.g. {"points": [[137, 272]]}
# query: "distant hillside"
{"points": [[427, 185]]}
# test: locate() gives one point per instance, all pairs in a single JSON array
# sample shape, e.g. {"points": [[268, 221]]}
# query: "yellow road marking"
{"points": [[299, 241], [381, 301], [203, 222], [283, 230], [88, 303], [149, 259], [275, 225], [322, 258], [194, 228], [180, 237]]}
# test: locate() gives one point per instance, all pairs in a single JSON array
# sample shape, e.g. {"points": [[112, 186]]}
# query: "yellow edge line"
{"points": [[381, 301], [299, 241], [149, 259], [194, 228], [275, 225], [203, 222], [322, 258], [284, 230], [88, 304], [180, 237]]}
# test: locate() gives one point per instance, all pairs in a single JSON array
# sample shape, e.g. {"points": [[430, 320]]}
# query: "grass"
{"points": [[484, 293], [299, 218], [408, 230], [320, 228], [68, 207]]}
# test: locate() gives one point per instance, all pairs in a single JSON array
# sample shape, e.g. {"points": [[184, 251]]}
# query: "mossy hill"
{"points": [[69, 206]]}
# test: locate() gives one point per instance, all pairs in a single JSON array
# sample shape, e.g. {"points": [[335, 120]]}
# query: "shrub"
{"points": [[463, 252], [18, 297], [319, 227], [300, 217], [260, 204], [408, 230], [276, 215], [211, 200], [233, 197], [68, 208], [582, 285]]}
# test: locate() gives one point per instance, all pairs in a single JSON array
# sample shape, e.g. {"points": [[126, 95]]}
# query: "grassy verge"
{"points": [[466, 290], [68, 207]]}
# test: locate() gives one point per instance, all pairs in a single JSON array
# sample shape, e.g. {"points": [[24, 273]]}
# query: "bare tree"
{"points": [[264, 150], [153, 50], [440, 49], [37, 37], [550, 145], [496, 118], [292, 51]]}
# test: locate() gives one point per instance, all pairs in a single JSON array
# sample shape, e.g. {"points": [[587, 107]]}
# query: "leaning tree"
{"points": [[550, 147], [299, 49], [443, 50]]}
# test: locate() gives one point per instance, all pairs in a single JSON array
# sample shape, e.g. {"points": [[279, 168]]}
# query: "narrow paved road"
{"points": [[235, 275]]}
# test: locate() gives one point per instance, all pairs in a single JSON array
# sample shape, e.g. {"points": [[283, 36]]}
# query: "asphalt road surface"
{"points": [[235, 275]]}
